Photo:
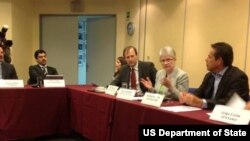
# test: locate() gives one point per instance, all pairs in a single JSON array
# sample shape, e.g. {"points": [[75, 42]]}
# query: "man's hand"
{"points": [[190, 99], [247, 107]]}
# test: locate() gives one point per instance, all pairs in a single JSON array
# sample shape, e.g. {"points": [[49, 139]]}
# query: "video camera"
{"points": [[5, 44], [3, 41]]}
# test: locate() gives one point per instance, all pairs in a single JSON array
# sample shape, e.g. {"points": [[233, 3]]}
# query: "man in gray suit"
{"points": [[41, 69], [7, 71], [141, 69], [221, 82]]}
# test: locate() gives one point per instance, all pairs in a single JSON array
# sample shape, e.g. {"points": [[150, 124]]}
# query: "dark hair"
{"points": [[38, 52], [128, 48], [122, 60], [225, 51]]}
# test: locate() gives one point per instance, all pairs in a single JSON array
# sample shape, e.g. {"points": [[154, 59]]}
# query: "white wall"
{"points": [[18, 15], [157, 22], [191, 26]]}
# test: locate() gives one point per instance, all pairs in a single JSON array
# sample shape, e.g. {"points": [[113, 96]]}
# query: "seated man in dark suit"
{"points": [[131, 73], [221, 82], [41, 69], [7, 70]]}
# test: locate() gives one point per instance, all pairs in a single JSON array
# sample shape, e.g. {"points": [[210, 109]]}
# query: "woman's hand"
{"points": [[147, 83]]}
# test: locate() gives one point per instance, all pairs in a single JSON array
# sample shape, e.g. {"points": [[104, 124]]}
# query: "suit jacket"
{"points": [[8, 71], [233, 80], [179, 80], [145, 69], [36, 71]]}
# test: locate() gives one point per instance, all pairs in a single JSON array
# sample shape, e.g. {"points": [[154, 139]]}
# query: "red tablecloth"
{"points": [[32, 112], [91, 113], [129, 115]]}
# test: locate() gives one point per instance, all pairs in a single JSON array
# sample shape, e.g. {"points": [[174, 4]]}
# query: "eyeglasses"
{"points": [[168, 60]]}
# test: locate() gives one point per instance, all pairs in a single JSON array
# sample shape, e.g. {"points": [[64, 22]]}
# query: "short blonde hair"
{"points": [[167, 50]]}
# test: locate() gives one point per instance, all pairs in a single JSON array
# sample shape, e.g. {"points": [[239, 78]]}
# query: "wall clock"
{"points": [[130, 28]]}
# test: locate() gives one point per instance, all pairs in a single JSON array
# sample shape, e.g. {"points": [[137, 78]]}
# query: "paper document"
{"points": [[236, 102], [181, 108]]}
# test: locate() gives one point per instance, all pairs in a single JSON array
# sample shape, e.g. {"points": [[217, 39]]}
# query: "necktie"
{"points": [[44, 71], [133, 79]]}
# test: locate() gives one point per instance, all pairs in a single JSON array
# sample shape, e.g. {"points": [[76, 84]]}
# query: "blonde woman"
{"points": [[170, 80]]}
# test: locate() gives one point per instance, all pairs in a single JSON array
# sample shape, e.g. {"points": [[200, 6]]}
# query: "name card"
{"points": [[230, 115], [236, 102], [111, 90], [54, 83], [127, 94], [11, 83], [152, 99]]}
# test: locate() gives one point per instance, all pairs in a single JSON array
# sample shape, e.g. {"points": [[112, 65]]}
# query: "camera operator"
{"points": [[5, 44]]}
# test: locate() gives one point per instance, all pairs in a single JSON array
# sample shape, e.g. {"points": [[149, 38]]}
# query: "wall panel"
{"points": [[213, 21]]}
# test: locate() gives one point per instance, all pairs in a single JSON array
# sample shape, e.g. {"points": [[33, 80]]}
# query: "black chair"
{"points": [[191, 90]]}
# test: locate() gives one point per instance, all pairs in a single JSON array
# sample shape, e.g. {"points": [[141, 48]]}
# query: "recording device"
{"points": [[5, 44], [4, 28], [3, 32]]}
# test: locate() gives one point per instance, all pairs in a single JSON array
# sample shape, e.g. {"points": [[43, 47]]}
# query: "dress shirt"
{"points": [[137, 77], [44, 69], [1, 70], [217, 79]]}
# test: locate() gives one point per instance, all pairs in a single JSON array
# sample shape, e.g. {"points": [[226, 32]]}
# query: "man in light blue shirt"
{"points": [[221, 82]]}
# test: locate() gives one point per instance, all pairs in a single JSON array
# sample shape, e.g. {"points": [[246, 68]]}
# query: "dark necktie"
{"points": [[133, 79]]}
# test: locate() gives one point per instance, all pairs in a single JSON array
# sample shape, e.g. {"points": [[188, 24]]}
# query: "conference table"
{"points": [[129, 115], [103, 117], [91, 112], [32, 112]]}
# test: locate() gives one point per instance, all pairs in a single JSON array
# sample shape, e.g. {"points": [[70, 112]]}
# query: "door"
{"points": [[101, 35], [59, 37]]}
